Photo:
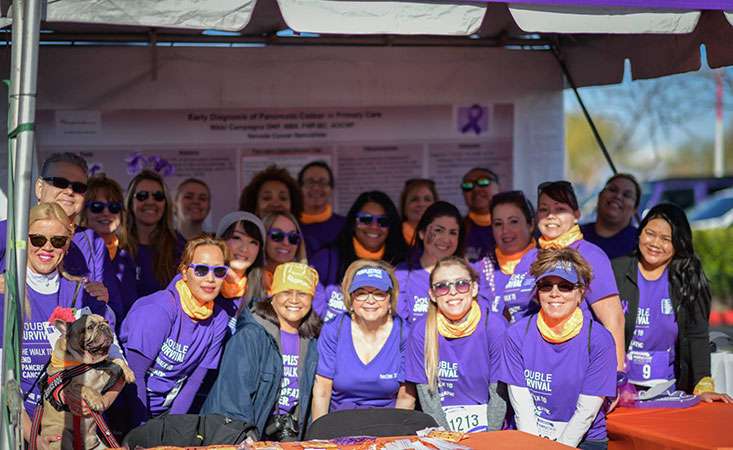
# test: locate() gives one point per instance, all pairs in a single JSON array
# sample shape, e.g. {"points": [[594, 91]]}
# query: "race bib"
{"points": [[646, 366], [467, 418]]}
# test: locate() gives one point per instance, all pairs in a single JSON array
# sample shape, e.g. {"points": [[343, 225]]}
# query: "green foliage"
{"points": [[714, 249]]}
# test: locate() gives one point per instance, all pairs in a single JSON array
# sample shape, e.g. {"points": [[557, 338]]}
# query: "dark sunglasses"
{"points": [[368, 219], [562, 286], [158, 196], [39, 240], [201, 270], [98, 207], [278, 235], [443, 287], [468, 186], [62, 183]]}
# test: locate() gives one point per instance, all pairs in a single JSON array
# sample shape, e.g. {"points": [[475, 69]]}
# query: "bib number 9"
{"points": [[646, 371]]}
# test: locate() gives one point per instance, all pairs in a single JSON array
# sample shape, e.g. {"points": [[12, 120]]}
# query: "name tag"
{"points": [[467, 418], [645, 366]]}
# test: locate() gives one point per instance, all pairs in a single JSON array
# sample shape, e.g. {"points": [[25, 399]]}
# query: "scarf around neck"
{"points": [[482, 220], [43, 283], [307, 219], [569, 329], [451, 330], [234, 286], [408, 232], [508, 262], [572, 235], [364, 253], [192, 307]]}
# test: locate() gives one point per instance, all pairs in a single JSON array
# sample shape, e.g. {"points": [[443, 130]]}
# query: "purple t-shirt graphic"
{"points": [[357, 385], [414, 282], [479, 241], [157, 328], [289, 391], [651, 353], [466, 366], [491, 282], [556, 374], [518, 290]]}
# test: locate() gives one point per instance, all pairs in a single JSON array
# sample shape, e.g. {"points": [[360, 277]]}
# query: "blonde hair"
{"points": [[101, 185], [301, 255], [431, 323], [193, 244], [360, 264]]}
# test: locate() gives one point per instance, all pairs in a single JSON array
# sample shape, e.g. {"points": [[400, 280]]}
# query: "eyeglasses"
{"points": [[201, 270], [62, 183], [39, 240], [278, 235], [323, 183], [158, 196], [364, 296], [99, 207], [442, 288], [562, 286], [468, 186], [367, 219]]}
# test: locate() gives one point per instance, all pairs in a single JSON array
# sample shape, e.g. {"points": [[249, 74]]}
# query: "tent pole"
{"points": [[588, 118], [26, 33]]}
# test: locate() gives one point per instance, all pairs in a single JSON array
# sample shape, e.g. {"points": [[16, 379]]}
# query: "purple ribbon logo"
{"points": [[473, 119], [137, 162], [95, 168]]}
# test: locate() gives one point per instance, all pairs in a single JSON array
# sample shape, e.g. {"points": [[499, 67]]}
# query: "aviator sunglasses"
{"points": [[39, 240], [468, 186], [99, 207], [62, 183], [201, 270], [158, 196], [278, 235], [442, 288], [562, 286], [368, 219]]}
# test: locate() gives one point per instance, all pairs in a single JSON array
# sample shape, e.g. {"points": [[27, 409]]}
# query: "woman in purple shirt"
{"points": [[154, 244], [320, 224], [667, 302], [361, 354], [559, 364], [174, 336], [453, 352], [439, 235]]}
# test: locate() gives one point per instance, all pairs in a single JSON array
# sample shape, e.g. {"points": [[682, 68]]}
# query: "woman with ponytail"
{"points": [[453, 352], [667, 301]]}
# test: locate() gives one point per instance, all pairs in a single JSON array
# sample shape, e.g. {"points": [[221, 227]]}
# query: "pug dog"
{"points": [[87, 340]]}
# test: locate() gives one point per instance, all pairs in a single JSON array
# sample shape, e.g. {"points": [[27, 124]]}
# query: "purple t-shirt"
{"points": [[620, 244], [479, 241], [357, 385], [322, 234], [518, 290], [556, 374], [289, 391], [466, 365], [157, 328], [119, 279], [414, 283], [147, 283], [328, 302], [35, 347], [651, 352]]}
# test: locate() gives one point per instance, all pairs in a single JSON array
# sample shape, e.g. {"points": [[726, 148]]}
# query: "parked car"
{"points": [[684, 192], [713, 212]]}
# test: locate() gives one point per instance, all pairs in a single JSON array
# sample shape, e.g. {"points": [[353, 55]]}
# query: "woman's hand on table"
{"points": [[709, 397]]}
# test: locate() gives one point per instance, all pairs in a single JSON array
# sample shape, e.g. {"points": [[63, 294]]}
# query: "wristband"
{"points": [[621, 378]]}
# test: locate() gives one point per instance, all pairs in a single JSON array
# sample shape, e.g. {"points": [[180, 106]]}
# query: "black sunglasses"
{"points": [[562, 286], [368, 219], [158, 196], [278, 235], [565, 185], [98, 207], [468, 186], [39, 240], [62, 183], [201, 270]]}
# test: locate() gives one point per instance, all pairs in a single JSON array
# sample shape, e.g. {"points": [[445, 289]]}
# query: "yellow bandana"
{"points": [[112, 243], [307, 219], [192, 307], [294, 276], [463, 329], [562, 241], [61, 364], [570, 328], [482, 220], [408, 232], [507, 263], [364, 253], [234, 286], [706, 384]]}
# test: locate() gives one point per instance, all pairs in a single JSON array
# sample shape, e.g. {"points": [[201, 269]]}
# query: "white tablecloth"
{"points": [[721, 367]]}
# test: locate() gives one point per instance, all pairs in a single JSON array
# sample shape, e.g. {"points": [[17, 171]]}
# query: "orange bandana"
{"points": [[408, 232], [364, 253], [482, 220], [570, 327], [112, 243], [234, 286], [307, 219], [507, 263], [572, 235]]}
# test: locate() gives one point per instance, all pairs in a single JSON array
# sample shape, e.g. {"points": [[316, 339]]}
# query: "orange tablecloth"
{"points": [[705, 426]]}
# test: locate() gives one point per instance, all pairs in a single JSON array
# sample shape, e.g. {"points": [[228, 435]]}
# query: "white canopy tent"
{"points": [[593, 44]]}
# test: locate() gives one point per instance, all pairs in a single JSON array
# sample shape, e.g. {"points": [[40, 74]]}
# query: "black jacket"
{"points": [[692, 361]]}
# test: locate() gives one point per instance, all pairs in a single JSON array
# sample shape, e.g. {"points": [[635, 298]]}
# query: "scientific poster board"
{"points": [[368, 148]]}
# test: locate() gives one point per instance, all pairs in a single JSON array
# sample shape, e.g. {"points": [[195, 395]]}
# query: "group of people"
{"points": [[509, 317]]}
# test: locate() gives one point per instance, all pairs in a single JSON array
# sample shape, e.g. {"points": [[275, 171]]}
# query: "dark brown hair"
{"points": [[310, 326], [248, 198], [101, 185]]}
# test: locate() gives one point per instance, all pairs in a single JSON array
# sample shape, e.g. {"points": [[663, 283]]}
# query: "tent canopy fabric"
{"points": [[595, 37]]}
